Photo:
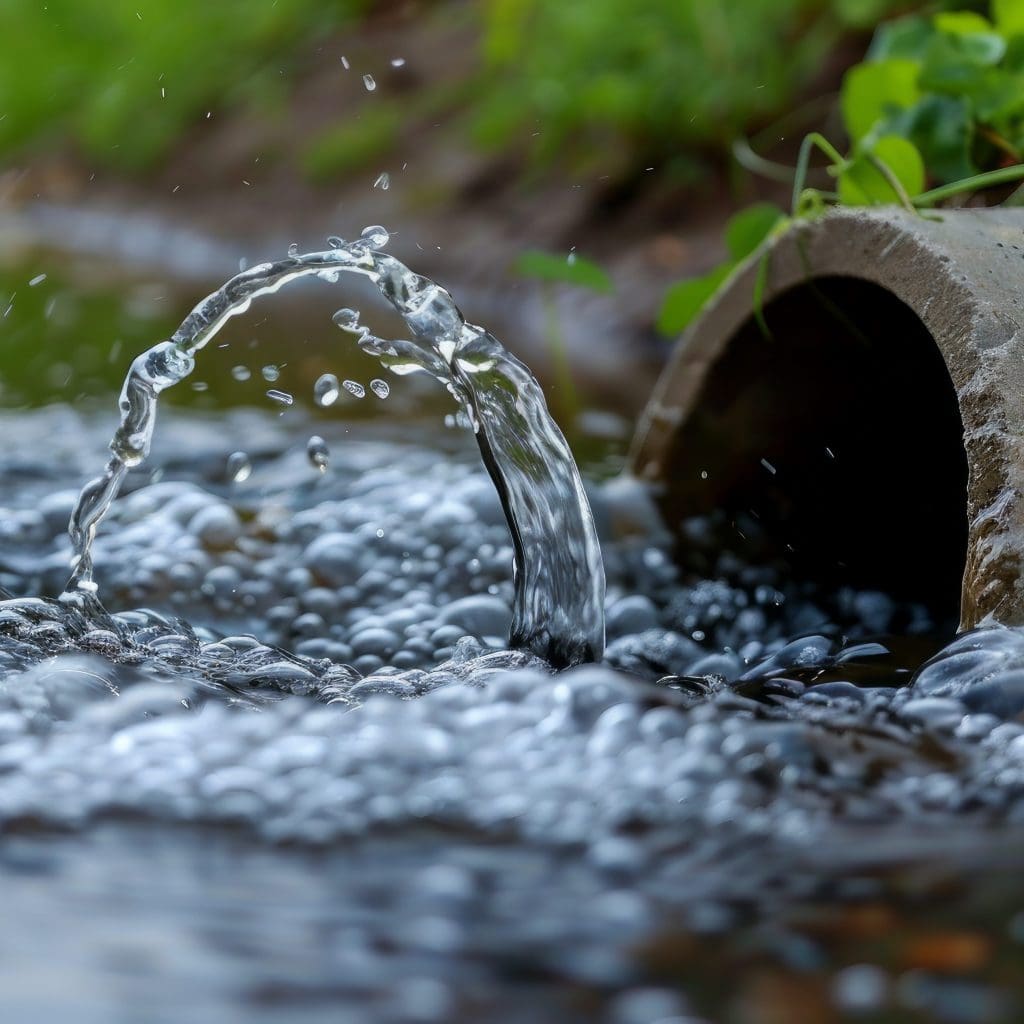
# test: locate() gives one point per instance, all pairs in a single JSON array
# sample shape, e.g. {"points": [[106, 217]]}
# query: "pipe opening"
{"points": [[840, 441]]}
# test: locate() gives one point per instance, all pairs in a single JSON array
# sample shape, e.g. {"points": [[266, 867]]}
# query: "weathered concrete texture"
{"points": [[962, 274]]}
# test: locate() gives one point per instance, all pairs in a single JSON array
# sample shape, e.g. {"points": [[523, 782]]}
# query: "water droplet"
{"points": [[383, 181], [318, 452], [347, 319], [241, 372], [571, 258], [270, 373], [280, 396], [398, 62], [369, 82], [293, 249], [380, 387], [239, 467], [344, 62], [38, 279], [354, 388], [335, 242], [326, 390], [375, 236], [243, 264]]}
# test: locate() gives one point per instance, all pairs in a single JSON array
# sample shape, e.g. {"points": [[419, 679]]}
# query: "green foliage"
{"points": [[124, 78], [890, 170], [938, 99], [353, 144], [743, 235], [574, 270], [953, 85], [650, 75]]}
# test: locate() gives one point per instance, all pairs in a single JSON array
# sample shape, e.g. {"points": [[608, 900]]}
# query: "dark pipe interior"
{"points": [[849, 370]]}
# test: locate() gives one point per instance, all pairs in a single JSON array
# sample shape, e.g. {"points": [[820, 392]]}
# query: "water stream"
{"points": [[303, 776], [558, 611]]}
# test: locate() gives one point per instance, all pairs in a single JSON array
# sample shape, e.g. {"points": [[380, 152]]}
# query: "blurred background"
{"points": [[149, 148]]}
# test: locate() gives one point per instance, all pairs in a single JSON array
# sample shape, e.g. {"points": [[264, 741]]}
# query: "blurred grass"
{"points": [[649, 75], [125, 78]]}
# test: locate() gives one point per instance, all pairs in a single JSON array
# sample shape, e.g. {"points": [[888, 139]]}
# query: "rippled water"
{"points": [[295, 773]]}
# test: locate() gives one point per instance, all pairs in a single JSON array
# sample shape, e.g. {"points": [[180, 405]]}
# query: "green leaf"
{"points": [[747, 229], [872, 92], [683, 301], [957, 64], [546, 266], [962, 23], [905, 38], [863, 184], [942, 129], [1009, 16]]}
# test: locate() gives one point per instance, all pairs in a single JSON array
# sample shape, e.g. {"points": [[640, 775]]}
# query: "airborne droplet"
{"points": [[293, 249], [326, 390], [380, 387], [239, 467], [383, 181], [281, 397], [318, 452], [369, 82], [270, 373], [354, 388]]}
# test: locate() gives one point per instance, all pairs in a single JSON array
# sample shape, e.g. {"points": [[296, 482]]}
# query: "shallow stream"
{"points": [[297, 775]]}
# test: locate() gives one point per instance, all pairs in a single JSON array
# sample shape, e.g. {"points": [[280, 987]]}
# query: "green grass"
{"points": [[649, 75], [124, 78], [352, 144]]}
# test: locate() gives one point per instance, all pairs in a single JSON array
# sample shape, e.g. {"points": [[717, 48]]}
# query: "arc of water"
{"points": [[558, 610]]}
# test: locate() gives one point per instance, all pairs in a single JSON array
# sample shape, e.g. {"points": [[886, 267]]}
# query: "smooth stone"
{"points": [[334, 558], [216, 526], [934, 712], [479, 615], [375, 640], [633, 614]]}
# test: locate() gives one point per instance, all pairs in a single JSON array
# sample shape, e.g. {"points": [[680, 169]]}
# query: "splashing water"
{"points": [[239, 467], [558, 609], [318, 453], [326, 390]]}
